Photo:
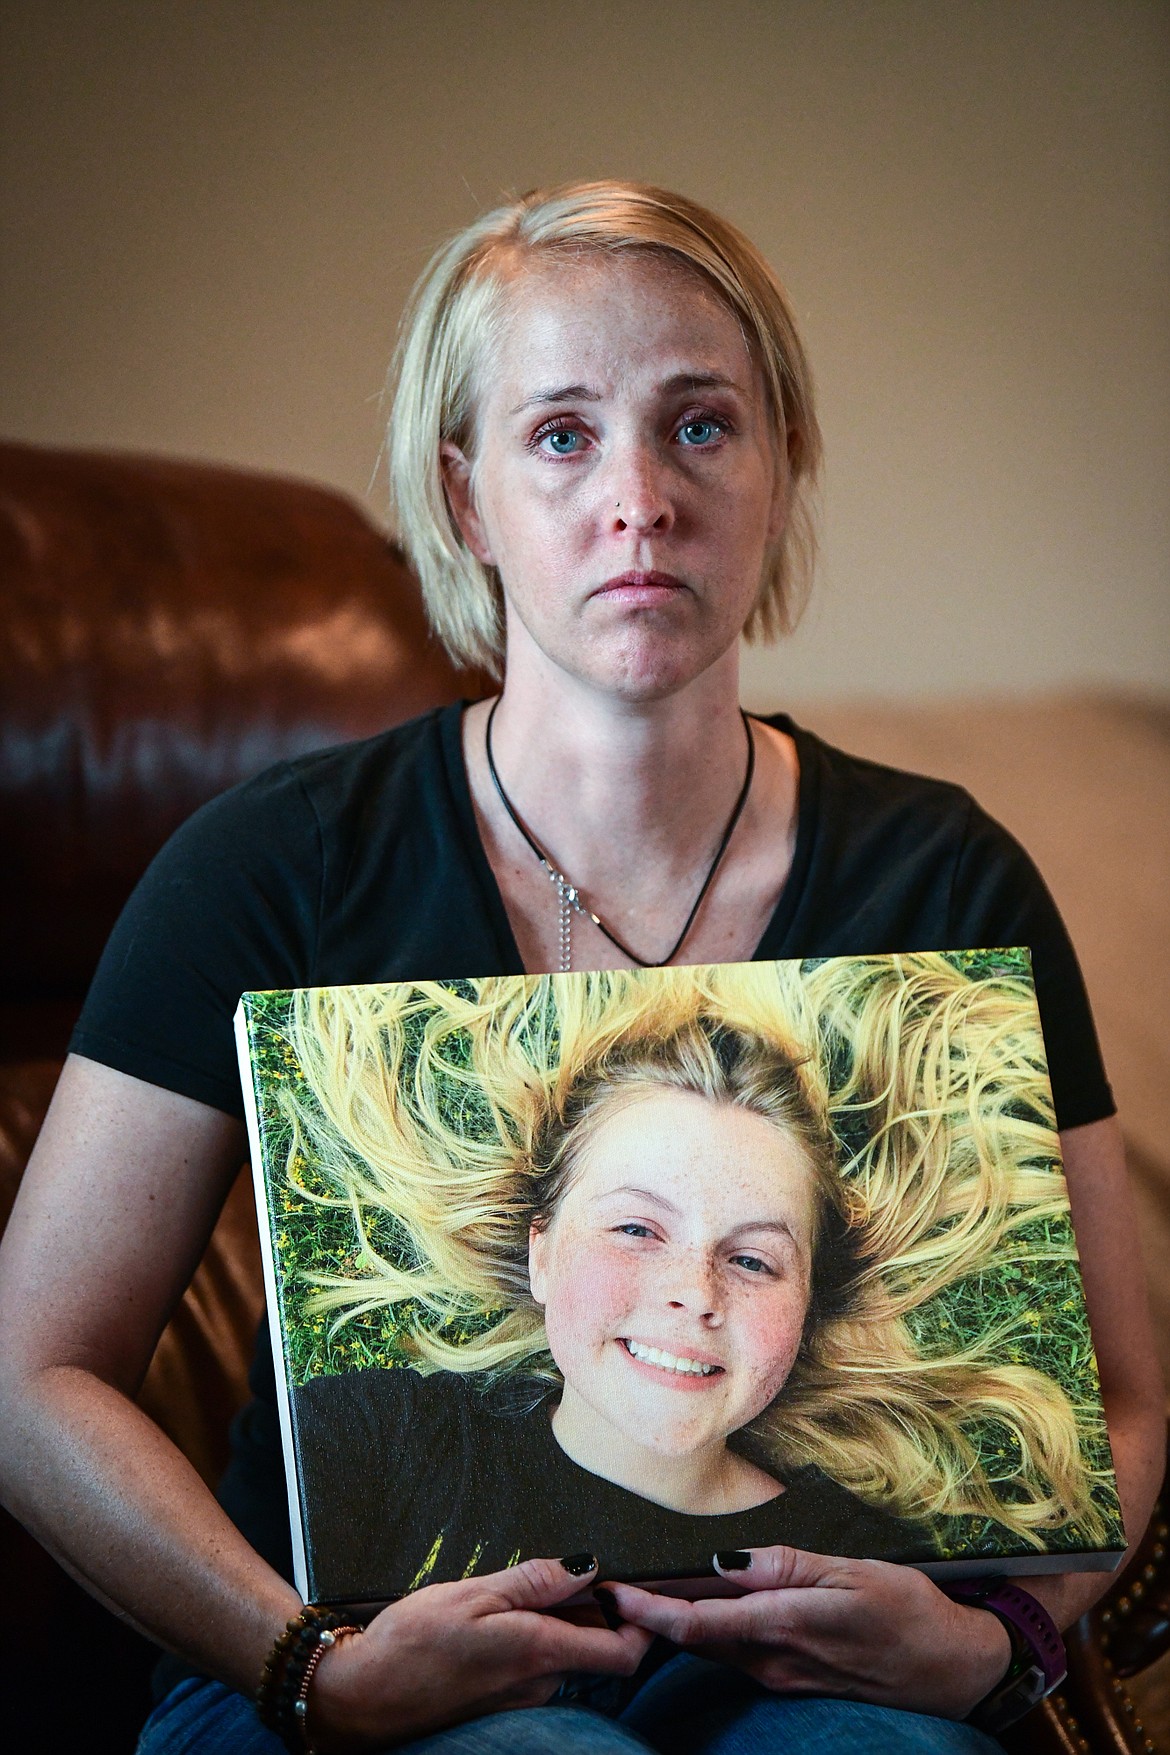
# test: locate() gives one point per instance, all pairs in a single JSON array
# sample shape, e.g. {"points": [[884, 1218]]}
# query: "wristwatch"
{"points": [[1038, 1658]]}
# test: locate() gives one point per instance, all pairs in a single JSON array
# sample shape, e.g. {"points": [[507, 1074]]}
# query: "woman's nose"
{"points": [[641, 493], [696, 1291]]}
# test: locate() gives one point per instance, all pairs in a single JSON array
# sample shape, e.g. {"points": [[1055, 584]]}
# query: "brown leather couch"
{"points": [[167, 629]]}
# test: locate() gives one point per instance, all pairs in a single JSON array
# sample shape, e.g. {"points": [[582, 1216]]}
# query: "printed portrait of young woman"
{"points": [[659, 1263]]}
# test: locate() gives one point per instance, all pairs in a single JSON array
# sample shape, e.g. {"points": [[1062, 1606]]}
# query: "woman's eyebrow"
{"points": [[699, 381], [778, 1225], [658, 1200], [563, 393], [671, 386]]}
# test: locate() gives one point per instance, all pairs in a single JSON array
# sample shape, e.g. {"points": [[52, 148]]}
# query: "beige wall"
{"points": [[212, 210]]}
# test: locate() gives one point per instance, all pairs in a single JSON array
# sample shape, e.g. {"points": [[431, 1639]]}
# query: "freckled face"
{"points": [[625, 479], [675, 1273]]}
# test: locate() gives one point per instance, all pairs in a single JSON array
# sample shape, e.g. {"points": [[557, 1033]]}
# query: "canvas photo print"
{"points": [[658, 1262]]}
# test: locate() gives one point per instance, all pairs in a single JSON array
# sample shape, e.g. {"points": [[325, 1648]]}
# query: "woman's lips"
{"points": [[640, 589], [681, 1370]]}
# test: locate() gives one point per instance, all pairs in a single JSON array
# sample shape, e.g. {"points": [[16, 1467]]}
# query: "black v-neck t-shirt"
{"points": [[363, 863]]}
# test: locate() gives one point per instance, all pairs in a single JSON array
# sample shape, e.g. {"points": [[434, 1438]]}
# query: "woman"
{"points": [[601, 447], [617, 1197]]}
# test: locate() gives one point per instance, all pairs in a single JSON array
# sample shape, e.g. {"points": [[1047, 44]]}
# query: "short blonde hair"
{"points": [[449, 325]]}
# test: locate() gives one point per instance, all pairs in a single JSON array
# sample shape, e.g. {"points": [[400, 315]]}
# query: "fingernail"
{"points": [[733, 1559], [579, 1564], [607, 1603]]}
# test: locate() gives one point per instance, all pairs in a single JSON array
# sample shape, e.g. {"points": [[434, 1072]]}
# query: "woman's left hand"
{"points": [[859, 1629]]}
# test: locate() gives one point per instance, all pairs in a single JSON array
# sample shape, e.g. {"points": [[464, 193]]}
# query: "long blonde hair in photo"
{"points": [[449, 1118]]}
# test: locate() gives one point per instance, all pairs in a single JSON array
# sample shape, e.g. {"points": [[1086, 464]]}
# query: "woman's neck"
{"points": [[708, 1483], [622, 794], [629, 799]]}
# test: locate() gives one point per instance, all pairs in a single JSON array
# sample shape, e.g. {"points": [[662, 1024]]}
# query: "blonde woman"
{"points": [[641, 1295], [602, 447]]}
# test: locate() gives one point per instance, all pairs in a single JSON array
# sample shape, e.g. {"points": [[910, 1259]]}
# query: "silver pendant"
{"points": [[567, 900]]}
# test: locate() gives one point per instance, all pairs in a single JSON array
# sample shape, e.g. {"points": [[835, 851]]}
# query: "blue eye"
{"points": [[752, 1263], [700, 432], [562, 441], [633, 1230]]}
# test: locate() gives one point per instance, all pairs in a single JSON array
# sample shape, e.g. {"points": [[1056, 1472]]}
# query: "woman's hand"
{"points": [[455, 1651], [859, 1629]]}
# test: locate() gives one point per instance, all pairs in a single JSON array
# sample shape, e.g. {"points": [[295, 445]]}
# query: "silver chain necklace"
{"points": [[569, 899]]}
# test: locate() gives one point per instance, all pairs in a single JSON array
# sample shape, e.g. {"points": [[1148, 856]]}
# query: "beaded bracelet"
{"points": [[282, 1697]]}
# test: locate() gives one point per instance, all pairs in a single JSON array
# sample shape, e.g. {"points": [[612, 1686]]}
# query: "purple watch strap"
{"points": [[1024, 1612]]}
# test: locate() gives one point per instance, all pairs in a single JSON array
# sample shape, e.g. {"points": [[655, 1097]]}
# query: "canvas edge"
{"points": [[272, 1298]]}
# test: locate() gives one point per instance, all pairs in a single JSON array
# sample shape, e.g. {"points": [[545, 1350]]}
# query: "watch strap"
{"points": [[1038, 1661]]}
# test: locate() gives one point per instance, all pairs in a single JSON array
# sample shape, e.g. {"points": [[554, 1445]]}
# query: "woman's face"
{"points": [[626, 485], [675, 1276]]}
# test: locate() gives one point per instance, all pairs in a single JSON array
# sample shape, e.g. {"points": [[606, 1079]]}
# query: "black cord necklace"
{"points": [[568, 895]]}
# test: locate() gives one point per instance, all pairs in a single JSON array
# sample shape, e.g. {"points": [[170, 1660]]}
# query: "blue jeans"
{"points": [[689, 1707]]}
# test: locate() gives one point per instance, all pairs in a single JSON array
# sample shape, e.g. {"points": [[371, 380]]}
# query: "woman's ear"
{"points": [[457, 482], [537, 1257]]}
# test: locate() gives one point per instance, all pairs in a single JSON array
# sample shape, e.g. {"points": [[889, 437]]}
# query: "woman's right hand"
{"points": [[456, 1651]]}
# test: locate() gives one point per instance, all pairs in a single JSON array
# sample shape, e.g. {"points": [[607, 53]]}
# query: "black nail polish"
{"points": [[607, 1603], [733, 1559], [579, 1564]]}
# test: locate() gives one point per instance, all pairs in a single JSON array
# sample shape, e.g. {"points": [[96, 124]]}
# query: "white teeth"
{"points": [[668, 1361]]}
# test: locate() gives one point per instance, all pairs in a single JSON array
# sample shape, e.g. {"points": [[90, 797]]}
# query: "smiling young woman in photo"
{"points": [[675, 1278], [600, 1273], [602, 446], [615, 1224]]}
